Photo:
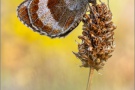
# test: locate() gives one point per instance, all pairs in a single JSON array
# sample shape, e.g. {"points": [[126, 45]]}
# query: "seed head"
{"points": [[97, 37]]}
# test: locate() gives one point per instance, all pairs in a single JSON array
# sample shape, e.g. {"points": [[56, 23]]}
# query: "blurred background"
{"points": [[34, 62]]}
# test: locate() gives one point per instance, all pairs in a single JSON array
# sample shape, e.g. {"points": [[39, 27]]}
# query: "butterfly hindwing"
{"points": [[22, 13], [54, 18]]}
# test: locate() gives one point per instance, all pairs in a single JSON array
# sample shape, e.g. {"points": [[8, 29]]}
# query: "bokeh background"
{"points": [[30, 61]]}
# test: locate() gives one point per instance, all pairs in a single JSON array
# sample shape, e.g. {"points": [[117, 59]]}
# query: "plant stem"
{"points": [[91, 72]]}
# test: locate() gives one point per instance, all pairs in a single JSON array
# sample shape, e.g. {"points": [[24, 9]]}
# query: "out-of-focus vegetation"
{"points": [[34, 62]]}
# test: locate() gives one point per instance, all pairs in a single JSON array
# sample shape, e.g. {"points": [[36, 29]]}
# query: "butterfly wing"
{"points": [[54, 18], [22, 13]]}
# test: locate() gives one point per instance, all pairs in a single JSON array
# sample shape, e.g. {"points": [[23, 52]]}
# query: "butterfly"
{"points": [[53, 18]]}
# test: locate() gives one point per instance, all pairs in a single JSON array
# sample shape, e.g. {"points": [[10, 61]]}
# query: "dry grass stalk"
{"points": [[97, 37]]}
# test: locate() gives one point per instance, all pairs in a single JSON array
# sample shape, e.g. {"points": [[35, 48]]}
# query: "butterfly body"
{"points": [[53, 18]]}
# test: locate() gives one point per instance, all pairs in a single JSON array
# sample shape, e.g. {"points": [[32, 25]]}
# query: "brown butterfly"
{"points": [[54, 18]]}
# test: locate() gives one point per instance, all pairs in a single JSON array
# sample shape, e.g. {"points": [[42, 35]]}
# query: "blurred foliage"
{"points": [[34, 62]]}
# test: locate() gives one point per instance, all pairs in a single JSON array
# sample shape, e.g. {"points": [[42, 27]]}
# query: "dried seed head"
{"points": [[97, 37]]}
